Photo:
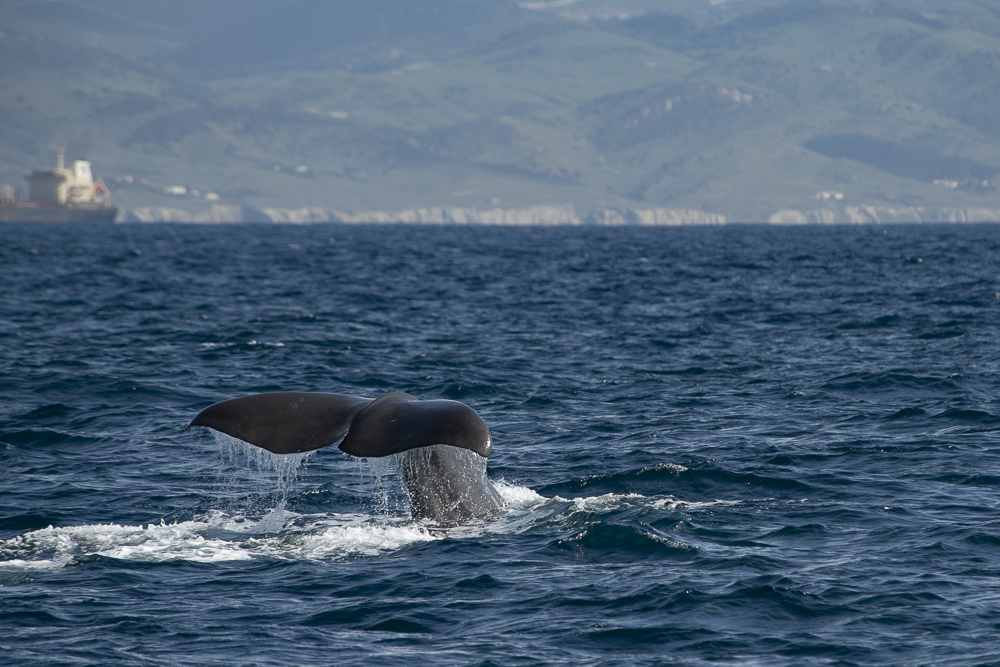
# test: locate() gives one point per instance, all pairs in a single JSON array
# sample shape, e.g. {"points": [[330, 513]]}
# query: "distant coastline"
{"points": [[557, 215]]}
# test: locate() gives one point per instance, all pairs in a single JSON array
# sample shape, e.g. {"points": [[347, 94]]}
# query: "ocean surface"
{"points": [[742, 445]]}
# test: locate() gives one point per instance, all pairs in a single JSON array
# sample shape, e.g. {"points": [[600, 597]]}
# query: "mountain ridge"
{"points": [[739, 109]]}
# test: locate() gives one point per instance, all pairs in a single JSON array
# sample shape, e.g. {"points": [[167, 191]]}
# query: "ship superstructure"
{"points": [[59, 195]]}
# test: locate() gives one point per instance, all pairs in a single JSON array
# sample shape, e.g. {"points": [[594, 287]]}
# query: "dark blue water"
{"points": [[732, 446]]}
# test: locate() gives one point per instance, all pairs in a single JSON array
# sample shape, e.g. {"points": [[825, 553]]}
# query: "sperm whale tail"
{"points": [[440, 447], [294, 422]]}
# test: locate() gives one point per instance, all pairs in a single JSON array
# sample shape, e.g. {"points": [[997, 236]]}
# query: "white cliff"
{"points": [[865, 215], [553, 215], [661, 217]]}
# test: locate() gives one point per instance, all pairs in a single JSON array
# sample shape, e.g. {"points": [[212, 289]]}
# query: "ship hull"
{"points": [[42, 213]]}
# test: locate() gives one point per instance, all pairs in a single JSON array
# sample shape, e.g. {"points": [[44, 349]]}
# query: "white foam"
{"points": [[221, 537], [318, 538], [343, 540], [610, 502], [672, 467], [18, 564], [605, 502], [518, 496], [177, 542], [151, 543], [218, 537], [671, 503]]}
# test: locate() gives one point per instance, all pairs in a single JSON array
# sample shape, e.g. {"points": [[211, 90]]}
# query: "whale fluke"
{"points": [[398, 422], [294, 422], [439, 447], [284, 422]]}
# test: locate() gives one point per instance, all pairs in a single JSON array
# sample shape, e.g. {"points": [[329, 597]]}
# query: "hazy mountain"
{"points": [[738, 107]]}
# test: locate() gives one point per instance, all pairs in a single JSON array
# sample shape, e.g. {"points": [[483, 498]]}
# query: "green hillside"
{"points": [[739, 108]]}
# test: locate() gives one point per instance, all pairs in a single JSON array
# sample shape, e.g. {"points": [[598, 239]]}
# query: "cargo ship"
{"points": [[59, 195]]}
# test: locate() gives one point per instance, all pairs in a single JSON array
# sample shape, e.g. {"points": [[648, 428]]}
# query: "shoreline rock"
{"points": [[557, 215], [654, 217], [868, 215]]}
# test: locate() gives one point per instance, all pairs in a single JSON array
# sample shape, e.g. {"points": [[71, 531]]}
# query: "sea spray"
{"points": [[380, 487], [276, 472]]}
